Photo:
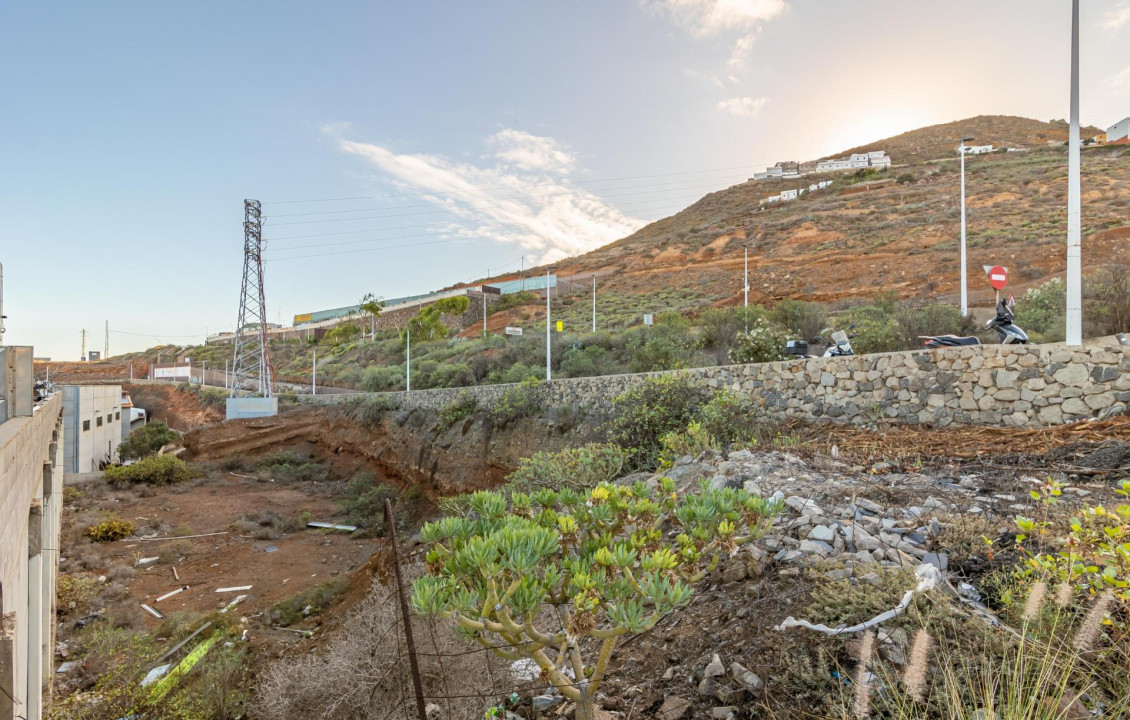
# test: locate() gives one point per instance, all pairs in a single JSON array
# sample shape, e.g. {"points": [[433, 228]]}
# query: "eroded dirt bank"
{"points": [[406, 446]]}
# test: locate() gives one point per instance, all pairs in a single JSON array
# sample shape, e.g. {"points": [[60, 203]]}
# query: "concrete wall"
{"points": [[31, 501], [92, 425], [1006, 385]]}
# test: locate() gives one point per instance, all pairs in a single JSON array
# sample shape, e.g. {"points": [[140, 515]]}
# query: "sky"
{"points": [[398, 148]]}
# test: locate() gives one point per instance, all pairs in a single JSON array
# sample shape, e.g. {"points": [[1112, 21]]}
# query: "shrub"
{"points": [[1042, 309], [341, 334], [153, 470], [516, 373], [311, 601], [147, 440], [729, 418], [452, 375], [576, 362], [369, 411], [383, 378], [1107, 295], [521, 401], [650, 410], [290, 467], [805, 319], [905, 178], [692, 441], [365, 503], [74, 592], [456, 410], [667, 345], [109, 530], [611, 561], [579, 468], [762, 343], [875, 328]]}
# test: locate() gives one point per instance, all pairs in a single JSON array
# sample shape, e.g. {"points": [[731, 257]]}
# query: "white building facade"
{"points": [[92, 426], [1120, 131]]}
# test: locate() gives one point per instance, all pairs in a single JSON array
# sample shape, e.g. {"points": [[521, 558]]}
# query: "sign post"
{"points": [[998, 278]]}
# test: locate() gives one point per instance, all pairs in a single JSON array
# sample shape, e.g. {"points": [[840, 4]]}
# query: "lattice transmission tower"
{"points": [[251, 362]]}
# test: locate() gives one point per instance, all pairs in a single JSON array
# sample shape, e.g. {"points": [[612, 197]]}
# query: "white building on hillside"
{"points": [[1119, 132], [978, 149]]}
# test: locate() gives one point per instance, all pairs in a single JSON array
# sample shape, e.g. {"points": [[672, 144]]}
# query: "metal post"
{"points": [[745, 288], [483, 290], [964, 291], [417, 685], [1074, 333], [225, 373], [408, 361], [548, 345], [314, 374], [594, 303]]}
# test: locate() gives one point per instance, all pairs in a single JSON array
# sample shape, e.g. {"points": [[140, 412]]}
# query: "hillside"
{"points": [[842, 242]]}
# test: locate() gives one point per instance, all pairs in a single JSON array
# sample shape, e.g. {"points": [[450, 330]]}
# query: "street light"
{"points": [[548, 345], [964, 288], [745, 288], [1074, 314]]}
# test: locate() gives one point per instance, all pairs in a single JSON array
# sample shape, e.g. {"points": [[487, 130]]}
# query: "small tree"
{"points": [[146, 440], [599, 564], [372, 305], [428, 323]]}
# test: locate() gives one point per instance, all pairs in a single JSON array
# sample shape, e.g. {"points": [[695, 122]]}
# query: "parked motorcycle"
{"points": [[840, 347], [1007, 330]]}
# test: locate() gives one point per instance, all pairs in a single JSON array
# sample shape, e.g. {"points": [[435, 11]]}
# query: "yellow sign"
{"points": [[302, 318], [560, 326]]}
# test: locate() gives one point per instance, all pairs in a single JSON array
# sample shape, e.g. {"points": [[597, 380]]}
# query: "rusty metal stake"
{"points": [[416, 682]]}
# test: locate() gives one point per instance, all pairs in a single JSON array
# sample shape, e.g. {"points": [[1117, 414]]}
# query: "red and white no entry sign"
{"points": [[998, 277]]}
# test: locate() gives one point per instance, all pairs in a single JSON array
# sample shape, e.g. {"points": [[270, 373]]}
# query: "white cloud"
{"points": [[523, 198], [743, 106], [336, 128], [1117, 17], [531, 152], [741, 51], [710, 17], [1121, 79]]}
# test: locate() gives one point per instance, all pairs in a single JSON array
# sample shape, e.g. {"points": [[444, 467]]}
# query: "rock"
{"points": [[714, 668], [938, 560], [724, 712], [746, 677], [804, 506], [815, 547], [707, 686], [822, 532], [1072, 375], [433, 711], [1075, 406], [734, 571], [673, 708]]}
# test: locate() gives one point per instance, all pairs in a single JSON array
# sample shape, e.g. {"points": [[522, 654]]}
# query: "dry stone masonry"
{"points": [[1003, 385]]}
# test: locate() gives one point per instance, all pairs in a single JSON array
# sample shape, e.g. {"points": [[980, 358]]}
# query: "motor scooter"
{"points": [[840, 347], [1007, 330]]}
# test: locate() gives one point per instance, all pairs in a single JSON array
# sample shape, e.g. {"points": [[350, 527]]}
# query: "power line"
{"points": [[516, 198], [361, 231], [577, 182]]}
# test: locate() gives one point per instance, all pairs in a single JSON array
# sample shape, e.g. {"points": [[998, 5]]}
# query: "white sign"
{"points": [[648, 319], [513, 330], [172, 373]]}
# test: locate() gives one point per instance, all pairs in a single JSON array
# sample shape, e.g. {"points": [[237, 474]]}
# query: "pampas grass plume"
{"points": [[1089, 630], [1036, 595], [915, 676], [1063, 594], [862, 690]]}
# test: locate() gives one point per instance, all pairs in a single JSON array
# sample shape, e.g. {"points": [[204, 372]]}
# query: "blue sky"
{"points": [[465, 135]]}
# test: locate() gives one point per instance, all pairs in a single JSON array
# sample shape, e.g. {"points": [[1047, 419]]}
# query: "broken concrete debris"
{"points": [[332, 526]]}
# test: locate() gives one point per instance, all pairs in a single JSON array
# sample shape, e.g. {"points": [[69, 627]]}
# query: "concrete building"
{"points": [[978, 149], [1119, 132], [92, 426], [31, 495]]}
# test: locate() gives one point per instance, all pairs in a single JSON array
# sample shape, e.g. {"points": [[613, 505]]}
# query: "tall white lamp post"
{"points": [[1074, 334], [964, 274]]}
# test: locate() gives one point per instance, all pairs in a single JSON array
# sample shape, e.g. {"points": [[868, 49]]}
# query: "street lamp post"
{"points": [[964, 284], [1074, 314], [745, 288], [408, 358], [548, 350]]}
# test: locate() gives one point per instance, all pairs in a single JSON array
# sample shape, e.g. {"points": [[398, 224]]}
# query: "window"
{"points": [[118, 415], [98, 421], [85, 424]]}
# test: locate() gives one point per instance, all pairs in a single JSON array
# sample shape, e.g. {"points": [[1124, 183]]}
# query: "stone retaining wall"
{"points": [[1005, 385]]}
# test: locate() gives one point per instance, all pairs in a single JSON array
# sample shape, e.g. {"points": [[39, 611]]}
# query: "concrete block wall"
{"points": [[1001, 385], [31, 502]]}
